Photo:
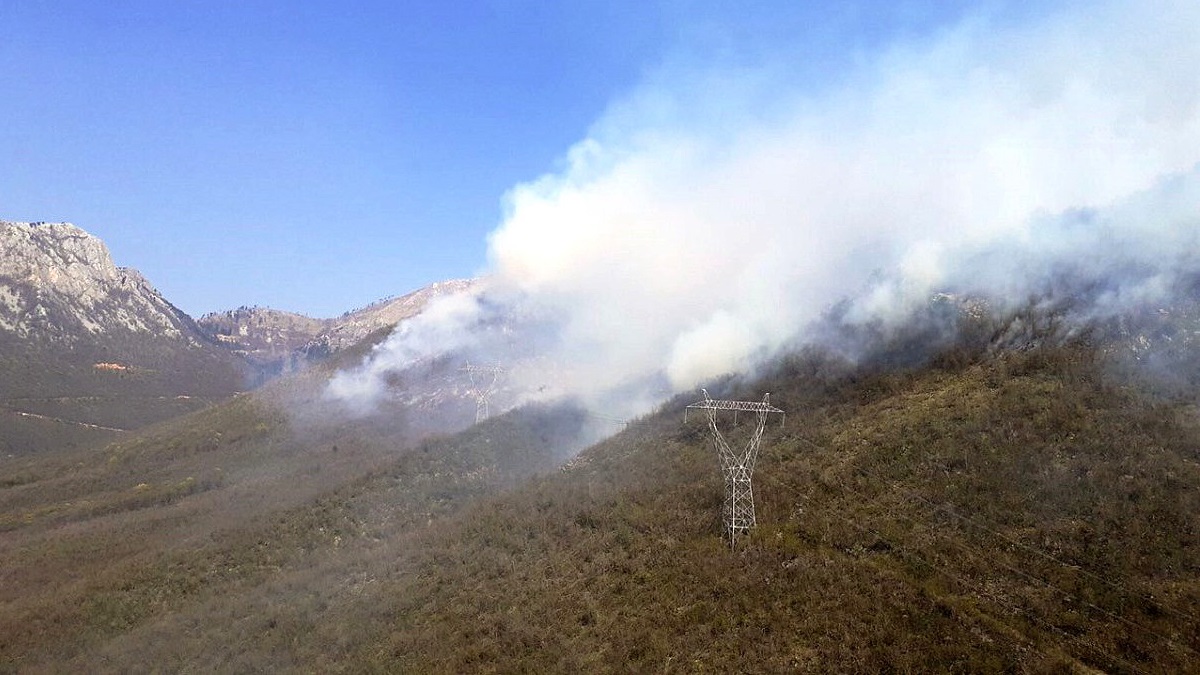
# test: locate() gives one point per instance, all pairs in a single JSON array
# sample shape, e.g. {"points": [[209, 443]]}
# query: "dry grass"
{"points": [[1021, 513]]}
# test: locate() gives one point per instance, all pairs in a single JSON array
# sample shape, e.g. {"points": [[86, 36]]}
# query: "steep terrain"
{"points": [[353, 326], [225, 500], [89, 350], [1020, 511], [87, 347], [1018, 514], [272, 340]]}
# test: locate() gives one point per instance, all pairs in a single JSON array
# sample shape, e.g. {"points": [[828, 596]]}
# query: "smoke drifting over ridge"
{"points": [[711, 217]]}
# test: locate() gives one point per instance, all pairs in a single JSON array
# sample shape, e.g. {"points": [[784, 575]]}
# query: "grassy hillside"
{"points": [[122, 383], [97, 546], [1017, 515], [1025, 512], [56, 400]]}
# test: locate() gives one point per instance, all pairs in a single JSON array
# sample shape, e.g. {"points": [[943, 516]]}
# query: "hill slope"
{"points": [[281, 342], [1019, 513], [87, 347]]}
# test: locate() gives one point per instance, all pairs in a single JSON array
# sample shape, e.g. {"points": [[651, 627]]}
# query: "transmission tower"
{"points": [[738, 510], [483, 383]]}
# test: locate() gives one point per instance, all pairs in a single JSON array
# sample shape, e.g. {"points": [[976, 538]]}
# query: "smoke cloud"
{"points": [[711, 217]]}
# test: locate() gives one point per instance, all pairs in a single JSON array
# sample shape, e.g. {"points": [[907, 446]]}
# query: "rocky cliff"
{"points": [[59, 284], [92, 348]]}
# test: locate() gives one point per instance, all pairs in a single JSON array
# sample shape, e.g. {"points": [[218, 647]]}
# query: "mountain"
{"points": [[1022, 513], [975, 493], [270, 339], [352, 327], [990, 509], [88, 349], [279, 342]]}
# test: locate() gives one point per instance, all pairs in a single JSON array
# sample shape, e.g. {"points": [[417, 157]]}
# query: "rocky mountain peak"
{"points": [[54, 255], [89, 349], [57, 281], [355, 325]]}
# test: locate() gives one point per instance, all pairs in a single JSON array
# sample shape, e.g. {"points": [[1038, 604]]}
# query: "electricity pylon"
{"points": [[738, 510], [483, 383]]}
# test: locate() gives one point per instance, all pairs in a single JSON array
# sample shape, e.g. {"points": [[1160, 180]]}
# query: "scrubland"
{"points": [[1025, 511]]}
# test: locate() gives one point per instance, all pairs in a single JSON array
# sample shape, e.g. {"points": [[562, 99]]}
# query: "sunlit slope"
{"points": [[1021, 512], [184, 521], [89, 349], [62, 400]]}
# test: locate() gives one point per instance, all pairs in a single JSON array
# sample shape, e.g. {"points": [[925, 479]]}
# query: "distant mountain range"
{"points": [[276, 341], [89, 349]]}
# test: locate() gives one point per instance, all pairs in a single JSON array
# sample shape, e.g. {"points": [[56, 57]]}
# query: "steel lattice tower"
{"points": [[483, 383], [738, 510]]}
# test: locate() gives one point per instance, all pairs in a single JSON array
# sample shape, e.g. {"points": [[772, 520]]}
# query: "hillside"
{"points": [[221, 505], [1015, 515], [1027, 511], [276, 341], [88, 348], [270, 339]]}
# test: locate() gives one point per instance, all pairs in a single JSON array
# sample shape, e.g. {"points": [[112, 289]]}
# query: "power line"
{"points": [[981, 555], [1019, 544]]}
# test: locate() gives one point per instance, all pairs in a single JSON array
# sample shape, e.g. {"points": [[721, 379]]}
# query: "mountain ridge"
{"points": [[58, 266], [281, 341], [90, 349]]}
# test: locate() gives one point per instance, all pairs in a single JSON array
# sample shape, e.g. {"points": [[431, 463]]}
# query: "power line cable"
{"points": [[1019, 544], [966, 583], [982, 555]]}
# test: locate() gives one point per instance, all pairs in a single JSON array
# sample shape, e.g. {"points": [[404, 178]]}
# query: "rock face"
{"points": [[59, 283], [278, 341], [91, 347], [269, 339]]}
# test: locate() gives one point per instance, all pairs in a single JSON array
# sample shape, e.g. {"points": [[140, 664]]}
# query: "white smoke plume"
{"points": [[448, 324], [714, 214]]}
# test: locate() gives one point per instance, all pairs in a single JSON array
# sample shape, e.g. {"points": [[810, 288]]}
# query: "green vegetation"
{"points": [[1024, 512]]}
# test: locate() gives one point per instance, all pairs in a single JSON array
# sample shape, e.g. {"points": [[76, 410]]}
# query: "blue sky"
{"points": [[317, 156]]}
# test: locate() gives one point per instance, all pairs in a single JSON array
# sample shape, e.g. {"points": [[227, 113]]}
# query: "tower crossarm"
{"points": [[491, 370], [747, 406], [762, 408], [482, 372], [737, 467]]}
